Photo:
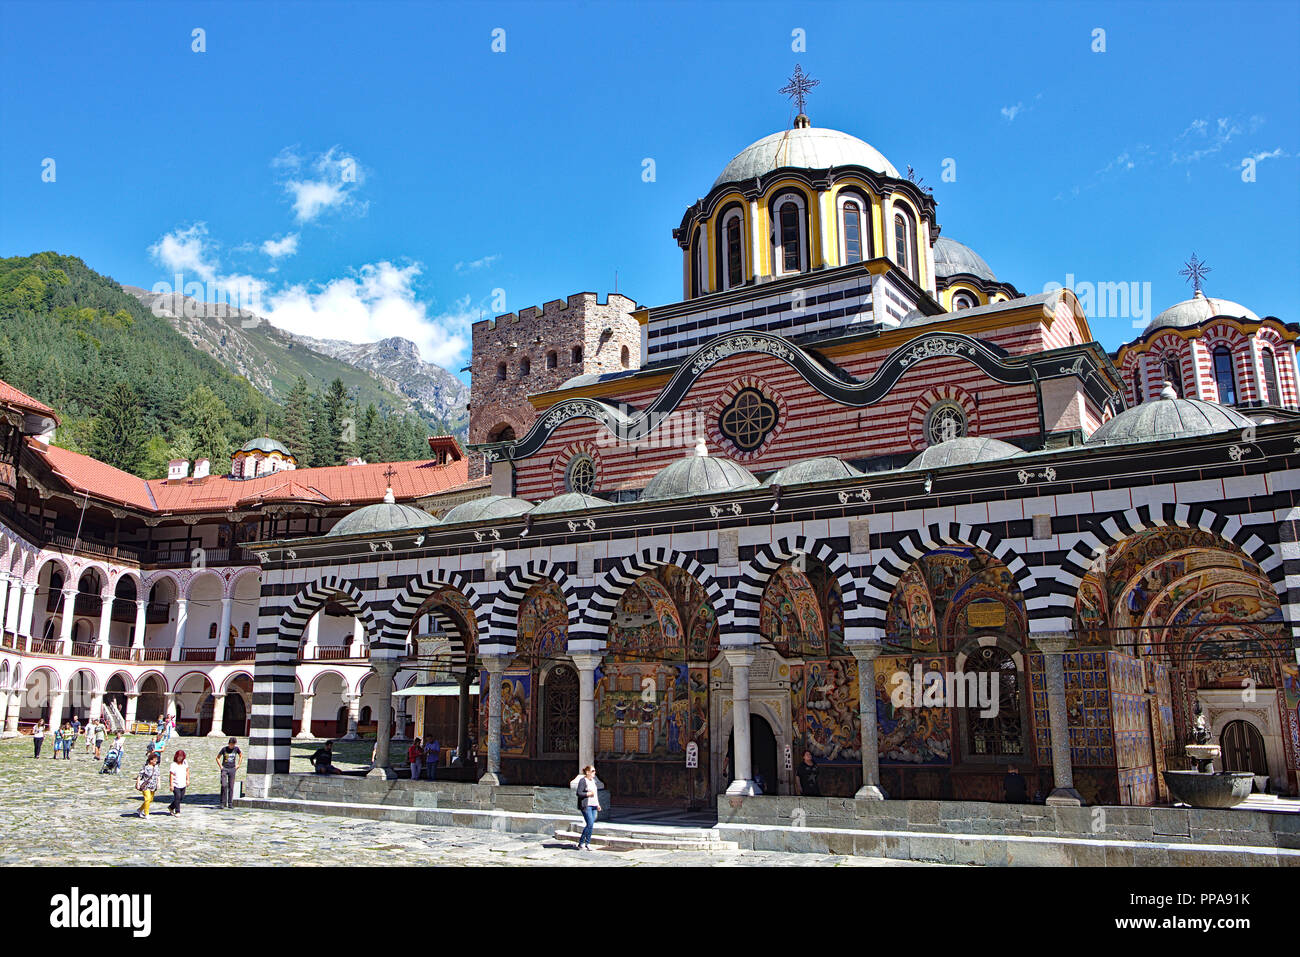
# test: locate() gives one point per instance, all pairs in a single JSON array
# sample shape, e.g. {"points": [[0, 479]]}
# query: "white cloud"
{"points": [[477, 263], [377, 302], [1216, 136], [190, 257], [331, 182], [1269, 154], [275, 248], [1010, 112]]}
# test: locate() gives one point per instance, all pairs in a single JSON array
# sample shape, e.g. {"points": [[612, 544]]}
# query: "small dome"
{"points": [[265, 444], [569, 502], [806, 148], [952, 257], [1168, 417], [1194, 311], [487, 508], [962, 451], [698, 474], [382, 519], [827, 468]]}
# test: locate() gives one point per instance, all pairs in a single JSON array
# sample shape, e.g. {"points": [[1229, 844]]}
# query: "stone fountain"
{"points": [[1205, 787]]}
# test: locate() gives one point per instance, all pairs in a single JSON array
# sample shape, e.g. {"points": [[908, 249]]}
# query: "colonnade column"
{"points": [[358, 645], [137, 639], [7, 697], [218, 715], [56, 708], [304, 731], [463, 757], [354, 716], [96, 705], [313, 633], [866, 654], [399, 720], [14, 606], [67, 620], [495, 665], [1053, 647], [740, 659], [223, 629], [132, 704], [182, 619], [105, 622], [384, 670], [586, 663], [28, 612], [11, 713]]}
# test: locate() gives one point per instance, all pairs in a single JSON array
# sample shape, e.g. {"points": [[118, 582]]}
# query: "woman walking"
{"points": [[100, 734], [38, 736], [67, 736], [588, 803], [147, 783], [178, 779]]}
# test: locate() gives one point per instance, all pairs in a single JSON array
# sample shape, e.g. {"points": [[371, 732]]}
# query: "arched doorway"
{"points": [[762, 749], [1243, 748]]}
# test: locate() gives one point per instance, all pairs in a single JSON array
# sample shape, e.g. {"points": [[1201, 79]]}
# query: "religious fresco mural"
{"points": [[542, 634], [790, 616], [949, 594], [909, 621], [644, 711], [910, 736], [831, 602], [1289, 704], [829, 720], [516, 711]]}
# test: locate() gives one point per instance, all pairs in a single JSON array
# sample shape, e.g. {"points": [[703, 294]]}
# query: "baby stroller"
{"points": [[113, 762]]}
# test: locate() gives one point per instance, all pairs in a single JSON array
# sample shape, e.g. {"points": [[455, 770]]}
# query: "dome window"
{"points": [[851, 230], [1224, 380], [944, 422], [749, 419], [733, 258], [905, 243], [1270, 377], [580, 476], [963, 300], [1173, 370], [789, 254]]}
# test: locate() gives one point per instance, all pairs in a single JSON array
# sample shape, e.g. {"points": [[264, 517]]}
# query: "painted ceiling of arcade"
{"points": [[950, 594]]}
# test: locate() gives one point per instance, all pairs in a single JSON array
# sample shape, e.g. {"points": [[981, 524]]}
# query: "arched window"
{"points": [[580, 476], [1270, 377], [1173, 370], [789, 252], [560, 711], [575, 355], [1224, 379], [552, 360], [525, 366], [963, 300], [697, 287], [625, 357], [733, 252], [852, 247], [502, 433], [905, 243], [364, 717], [244, 633], [501, 371], [1003, 733], [944, 422]]}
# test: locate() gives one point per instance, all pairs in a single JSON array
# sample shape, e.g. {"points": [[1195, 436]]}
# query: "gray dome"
{"points": [[952, 257], [827, 468], [382, 519], [265, 444], [698, 475], [486, 508], [806, 148], [569, 502], [1194, 311], [1168, 418], [962, 451]]}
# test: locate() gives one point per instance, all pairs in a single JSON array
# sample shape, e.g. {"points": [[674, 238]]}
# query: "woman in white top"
{"points": [[38, 736], [179, 780], [588, 788]]}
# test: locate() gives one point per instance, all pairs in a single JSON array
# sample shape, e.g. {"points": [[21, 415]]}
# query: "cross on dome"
{"points": [[799, 87], [389, 498], [1195, 272]]}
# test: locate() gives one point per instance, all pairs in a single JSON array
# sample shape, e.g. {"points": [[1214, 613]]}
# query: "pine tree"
{"points": [[208, 421], [295, 433], [117, 437], [322, 439], [342, 429], [369, 435]]}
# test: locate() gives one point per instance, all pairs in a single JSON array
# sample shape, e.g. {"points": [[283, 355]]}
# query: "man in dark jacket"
{"points": [[1014, 786]]}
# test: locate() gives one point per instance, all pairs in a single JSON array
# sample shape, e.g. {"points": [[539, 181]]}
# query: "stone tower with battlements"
{"points": [[537, 350]]}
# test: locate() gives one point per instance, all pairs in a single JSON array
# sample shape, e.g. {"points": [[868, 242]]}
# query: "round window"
{"points": [[749, 419], [580, 476], [944, 422]]}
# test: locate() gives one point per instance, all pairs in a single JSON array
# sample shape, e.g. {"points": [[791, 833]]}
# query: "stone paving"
{"points": [[67, 813]]}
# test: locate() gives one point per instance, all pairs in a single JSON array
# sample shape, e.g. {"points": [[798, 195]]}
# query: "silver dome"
{"points": [[826, 468], [1194, 311], [382, 519], [804, 148], [487, 508], [698, 474], [962, 451], [1168, 418], [952, 257]]}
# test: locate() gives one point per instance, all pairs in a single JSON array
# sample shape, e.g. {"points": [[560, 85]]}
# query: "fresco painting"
{"points": [[910, 736]]}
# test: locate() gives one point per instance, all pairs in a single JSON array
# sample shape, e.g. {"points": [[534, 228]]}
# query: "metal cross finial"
{"points": [[799, 86], [389, 473], [1195, 272]]}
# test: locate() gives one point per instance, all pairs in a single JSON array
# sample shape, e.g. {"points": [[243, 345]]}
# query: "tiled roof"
{"points": [[335, 485], [15, 397]]}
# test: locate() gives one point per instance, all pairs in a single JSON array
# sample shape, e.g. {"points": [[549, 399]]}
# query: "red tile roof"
{"points": [[335, 485], [19, 399]]}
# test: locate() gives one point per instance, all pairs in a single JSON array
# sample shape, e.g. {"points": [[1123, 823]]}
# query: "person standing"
{"points": [[38, 736], [432, 751], [76, 733], [229, 759], [178, 780], [147, 783], [67, 736], [588, 788], [415, 754], [807, 777], [1014, 785], [100, 733]]}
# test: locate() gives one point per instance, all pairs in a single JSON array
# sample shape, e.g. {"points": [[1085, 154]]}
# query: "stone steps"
{"points": [[659, 839]]}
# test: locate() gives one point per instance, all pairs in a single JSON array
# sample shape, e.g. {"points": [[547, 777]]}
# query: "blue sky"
{"points": [[376, 169]]}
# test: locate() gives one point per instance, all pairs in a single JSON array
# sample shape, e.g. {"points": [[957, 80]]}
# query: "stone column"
{"points": [[57, 699], [399, 730], [1053, 648], [357, 648], [11, 713], [13, 609], [67, 620], [182, 619], [132, 703], [137, 639], [740, 659], [866, 654], [354, 717], [495, 665], [463, 757], [218, 714], [384, 671], [105, 622], [6, 699], [304, 732], [29, 610], [169, 707], [223, 629], [586, 664], [96, 705]]}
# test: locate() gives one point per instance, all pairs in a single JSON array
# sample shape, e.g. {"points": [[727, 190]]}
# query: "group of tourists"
{"points": [[424, 756], [65, 737], [149, 779]]}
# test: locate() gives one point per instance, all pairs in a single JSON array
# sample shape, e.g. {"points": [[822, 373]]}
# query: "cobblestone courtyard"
{"points": [[67, 813]]}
